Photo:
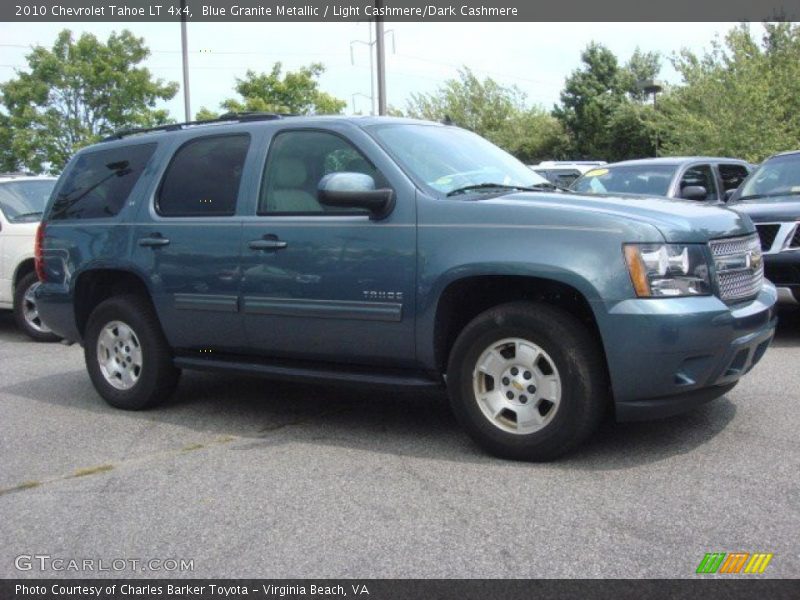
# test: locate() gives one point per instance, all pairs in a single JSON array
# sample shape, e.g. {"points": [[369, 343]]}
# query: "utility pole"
{"points": [[185, 52], [379, 45], [380, 50]]}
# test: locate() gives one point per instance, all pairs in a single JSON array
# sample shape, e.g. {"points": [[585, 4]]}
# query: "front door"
{"points": [[321, 283]]}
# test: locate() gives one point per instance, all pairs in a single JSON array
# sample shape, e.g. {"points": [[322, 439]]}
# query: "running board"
{"points": [[312, 373]]}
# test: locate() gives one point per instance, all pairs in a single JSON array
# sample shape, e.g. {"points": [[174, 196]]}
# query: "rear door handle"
{"points": [[268, 242], [153, 241]]}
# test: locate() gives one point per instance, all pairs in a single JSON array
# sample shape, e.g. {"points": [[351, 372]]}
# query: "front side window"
{"points": [[23, 201], [203, 178], [732, 176], [701, 176], [775, 180], [97, 184], [297, 161], [448, 158], [649, 180]]}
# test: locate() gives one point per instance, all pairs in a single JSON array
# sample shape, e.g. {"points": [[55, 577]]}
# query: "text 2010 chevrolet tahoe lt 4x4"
{"points": [[397, 253]]}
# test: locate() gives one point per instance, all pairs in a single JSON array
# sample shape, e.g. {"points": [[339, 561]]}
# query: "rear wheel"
{"points": [[127, 356], [26, 312], [527, 381]]}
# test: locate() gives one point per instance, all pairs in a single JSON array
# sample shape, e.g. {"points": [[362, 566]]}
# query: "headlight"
{"points": [[659, 270]]}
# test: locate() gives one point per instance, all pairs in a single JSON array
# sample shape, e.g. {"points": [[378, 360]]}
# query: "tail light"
{"points": [[37, 252]]}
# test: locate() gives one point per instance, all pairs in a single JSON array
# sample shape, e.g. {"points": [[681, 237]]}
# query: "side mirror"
{"points": [[355, 190], [728, 195], [694, 192]]}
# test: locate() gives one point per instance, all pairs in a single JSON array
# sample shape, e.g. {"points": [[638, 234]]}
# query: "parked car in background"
{"points": [[392, 253], [771, 198], [700, 178], [22, 200], [563, 173]]}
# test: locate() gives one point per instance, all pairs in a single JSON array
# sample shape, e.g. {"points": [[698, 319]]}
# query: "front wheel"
{"points": [[527, 381], [127, 356], [26, 312]]}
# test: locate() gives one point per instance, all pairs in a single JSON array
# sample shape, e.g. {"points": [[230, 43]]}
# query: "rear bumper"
{"points": [[56, 309], [667, 356]]}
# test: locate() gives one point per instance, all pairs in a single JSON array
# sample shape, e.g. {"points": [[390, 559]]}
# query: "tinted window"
{"points": [[25, 200], [777, 179], [652, 180], [702, 176], [203, 178], [732, 176], [297, 161], [98, 183]]}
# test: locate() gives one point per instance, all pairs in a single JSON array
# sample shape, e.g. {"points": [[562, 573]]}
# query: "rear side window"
{"points": [[203, 178], [98, 184], [701, 176]]}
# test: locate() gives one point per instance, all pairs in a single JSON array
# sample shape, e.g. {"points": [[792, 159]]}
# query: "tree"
{"points": [[77, 92], [603, 105], [494, 111], [8, 161], [741, 98], [296, 92]]}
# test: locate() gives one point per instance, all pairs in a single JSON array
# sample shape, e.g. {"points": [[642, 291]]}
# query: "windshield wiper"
{"points": [[539, 187], [28, 214], [770, 195]]}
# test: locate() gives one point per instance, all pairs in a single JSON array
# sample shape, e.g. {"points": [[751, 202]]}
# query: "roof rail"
{"points": [[16, 174], [229, 117]]}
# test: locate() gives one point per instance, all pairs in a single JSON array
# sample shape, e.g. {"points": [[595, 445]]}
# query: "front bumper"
{"points": [[783, 269], [669, 355]]}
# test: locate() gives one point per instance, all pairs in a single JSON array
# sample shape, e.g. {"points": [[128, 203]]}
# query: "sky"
{"points": [[536, 57]]}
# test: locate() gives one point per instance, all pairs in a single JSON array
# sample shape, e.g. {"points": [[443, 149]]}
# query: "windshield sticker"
{"points": [[596, 172]]}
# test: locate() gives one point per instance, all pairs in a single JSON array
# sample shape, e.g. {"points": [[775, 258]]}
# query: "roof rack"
{"points": [[16, 174], [229, 117]]}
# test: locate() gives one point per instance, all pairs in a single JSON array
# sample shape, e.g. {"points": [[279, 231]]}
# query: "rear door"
{"points": [[188, 239], [328, 284]]}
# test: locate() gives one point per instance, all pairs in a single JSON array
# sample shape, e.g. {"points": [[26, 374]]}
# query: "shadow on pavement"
{"points": [[266, 413]]}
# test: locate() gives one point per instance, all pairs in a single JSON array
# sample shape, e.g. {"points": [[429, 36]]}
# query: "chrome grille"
{"points": [[739, 267]]}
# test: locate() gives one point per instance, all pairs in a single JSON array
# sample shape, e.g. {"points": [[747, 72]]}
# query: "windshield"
{"points": [[775, 180], [449, 158], [651, 180], [25, 200]]}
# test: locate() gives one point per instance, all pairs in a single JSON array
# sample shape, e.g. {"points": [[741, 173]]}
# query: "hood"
{"points": [[677, 220], [786, 208]]}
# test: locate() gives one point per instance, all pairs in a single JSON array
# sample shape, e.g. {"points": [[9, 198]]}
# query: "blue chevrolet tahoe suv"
{"points": [[391, 252]]}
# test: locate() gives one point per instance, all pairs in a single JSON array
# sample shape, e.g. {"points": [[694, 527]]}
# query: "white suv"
{"points": [[22, 200]]}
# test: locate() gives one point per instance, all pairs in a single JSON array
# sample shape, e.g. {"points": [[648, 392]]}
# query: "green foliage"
{"points": [[295, 92], [494, 111], [741, 98], [603, 106], [78, 91]]}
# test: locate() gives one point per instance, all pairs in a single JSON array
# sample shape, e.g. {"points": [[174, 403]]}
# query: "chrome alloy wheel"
{"points": [[517, 386], [30, 312], [119, 355]]}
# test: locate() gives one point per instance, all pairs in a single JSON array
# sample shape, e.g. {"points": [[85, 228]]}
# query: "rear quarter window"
{"points": [[98, 183]]}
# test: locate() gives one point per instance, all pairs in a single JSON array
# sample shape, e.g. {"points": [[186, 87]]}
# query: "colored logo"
{"points": [[734, 562]]}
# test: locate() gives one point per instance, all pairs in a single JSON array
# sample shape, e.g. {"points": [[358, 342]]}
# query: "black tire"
{"points": [[158, 376], [37, 331], [577, 357]]}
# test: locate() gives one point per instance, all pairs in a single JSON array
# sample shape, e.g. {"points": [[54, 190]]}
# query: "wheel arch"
{"points": [[93, 286], [462, 299]]}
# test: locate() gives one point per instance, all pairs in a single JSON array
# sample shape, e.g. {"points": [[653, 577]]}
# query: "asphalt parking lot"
{"points": [[251, 478]]}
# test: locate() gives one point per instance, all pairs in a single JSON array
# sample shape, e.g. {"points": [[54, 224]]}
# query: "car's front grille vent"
{"points": [[739, 267], [767, 235]]}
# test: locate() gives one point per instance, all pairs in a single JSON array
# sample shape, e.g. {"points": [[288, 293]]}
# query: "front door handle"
{"points": [[153, 241], [268, 242]]}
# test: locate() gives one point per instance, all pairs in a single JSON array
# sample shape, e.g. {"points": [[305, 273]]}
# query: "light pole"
{"points": [[381, 58], [379, 47], [654, 87], [185, 53]]}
